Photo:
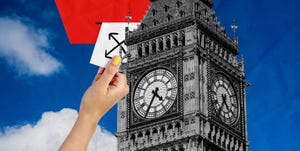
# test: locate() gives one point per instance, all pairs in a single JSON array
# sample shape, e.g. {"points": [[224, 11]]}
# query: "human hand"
{"points": [[108, 87]]}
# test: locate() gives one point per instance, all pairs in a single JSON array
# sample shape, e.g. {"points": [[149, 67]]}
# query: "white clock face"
{"points": [[224, 100], [155, 93]]}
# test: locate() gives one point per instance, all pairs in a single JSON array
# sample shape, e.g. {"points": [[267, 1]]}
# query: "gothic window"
{"points": [[168, 42], [196, 6], [169, 17], [140, 51], [170, 126], [181, 148], [153, 12], [153, 45], [162, 131], [147, 133], [161, 44], [178, 4], [182, 13], [132, 137], [216, 49], [182, 38], [175, 40], [212, 46], [155, 22], [166, 7], [205, 12], [202, 40], [177, 125], [143, 25], [140, 134], [147, 49]]}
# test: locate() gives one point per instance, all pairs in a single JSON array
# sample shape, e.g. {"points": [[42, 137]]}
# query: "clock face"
{"points": [[155, 93], [225, 100]]}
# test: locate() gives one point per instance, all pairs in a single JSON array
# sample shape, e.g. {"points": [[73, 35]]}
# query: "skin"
{"points": [[108, 87]]}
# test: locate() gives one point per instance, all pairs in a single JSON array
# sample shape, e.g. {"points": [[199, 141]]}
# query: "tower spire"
{"points": [[234, 27], [128, 17]]}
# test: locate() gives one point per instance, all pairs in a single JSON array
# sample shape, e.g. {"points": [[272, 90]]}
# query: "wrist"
{"points": [[92, 118]]}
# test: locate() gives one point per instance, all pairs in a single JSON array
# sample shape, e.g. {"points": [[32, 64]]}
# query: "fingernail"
{"points": [[116, 60]]}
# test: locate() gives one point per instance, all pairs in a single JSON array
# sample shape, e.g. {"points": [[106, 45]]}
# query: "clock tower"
{"points": [[187, 88]]}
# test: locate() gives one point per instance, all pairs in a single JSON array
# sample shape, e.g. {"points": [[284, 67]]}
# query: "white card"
{"points": [[110, 42]]}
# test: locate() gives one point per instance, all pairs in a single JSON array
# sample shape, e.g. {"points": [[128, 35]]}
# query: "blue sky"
{"points": [[268, 38]]}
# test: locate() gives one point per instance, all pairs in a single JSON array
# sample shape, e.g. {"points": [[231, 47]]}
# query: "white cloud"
{"points": [[49, 133], [25, 48]]}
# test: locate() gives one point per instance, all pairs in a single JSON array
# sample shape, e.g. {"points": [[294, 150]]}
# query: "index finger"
{"points": [[110, 71]]}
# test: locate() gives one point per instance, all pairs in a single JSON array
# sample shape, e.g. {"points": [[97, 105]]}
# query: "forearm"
{"points": [[80, 134]]}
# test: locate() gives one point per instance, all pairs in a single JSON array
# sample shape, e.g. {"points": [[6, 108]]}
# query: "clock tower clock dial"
{"points": [[224, 100], [155, 93]]}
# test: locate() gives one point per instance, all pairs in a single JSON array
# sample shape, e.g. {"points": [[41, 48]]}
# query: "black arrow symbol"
{"points": [[111, 35], [119, 44]]}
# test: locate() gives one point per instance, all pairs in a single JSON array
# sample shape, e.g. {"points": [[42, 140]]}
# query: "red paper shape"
{"points": [[80, 16]]}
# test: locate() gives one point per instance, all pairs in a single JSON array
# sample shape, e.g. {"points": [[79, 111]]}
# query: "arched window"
{"points": [[154, 131], [168, 42], [161, 44], [175, 39], [143, 25], [147, 49], [182, 38], [132, 137], [153, 46], [182, 13], [140, 51], [178, 4], [140, 134], [170, 126], [155, 22], [162, 131], [166, 7], [196, 6], [153, 12], [169, 17]]}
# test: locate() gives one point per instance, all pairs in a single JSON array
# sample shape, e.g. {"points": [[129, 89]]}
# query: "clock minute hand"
{"points": [[223, 102], [224, 96], [149, 105], [154, 92]]}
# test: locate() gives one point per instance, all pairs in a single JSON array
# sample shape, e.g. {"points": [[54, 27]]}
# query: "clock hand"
{"points": [[224, 96], [221, 107], [149, 105], [223, 102], [154, 92]]}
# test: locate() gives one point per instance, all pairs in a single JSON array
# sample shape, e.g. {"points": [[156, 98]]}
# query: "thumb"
{"points": [[110, 71]]}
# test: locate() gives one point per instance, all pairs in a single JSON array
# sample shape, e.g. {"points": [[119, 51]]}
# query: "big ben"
{"points": [[187, 87]]}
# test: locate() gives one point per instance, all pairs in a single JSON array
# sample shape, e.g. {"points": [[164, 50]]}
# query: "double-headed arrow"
{"points": [[119, 44]]}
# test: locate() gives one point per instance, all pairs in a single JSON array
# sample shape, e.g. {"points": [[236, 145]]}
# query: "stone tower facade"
{"points": [[187, 88]]}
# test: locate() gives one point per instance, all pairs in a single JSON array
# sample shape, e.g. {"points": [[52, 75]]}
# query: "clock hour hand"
{"points": [[224, 97], [154, 92]]}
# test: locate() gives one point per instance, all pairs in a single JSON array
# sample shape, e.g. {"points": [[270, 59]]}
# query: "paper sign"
{"points": [[110, 42]]}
